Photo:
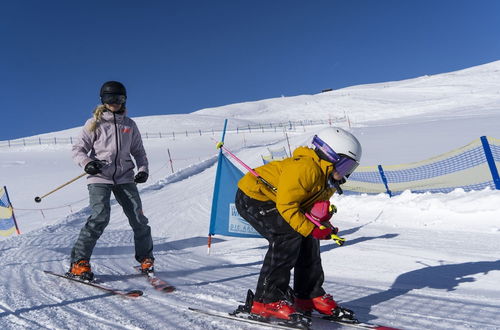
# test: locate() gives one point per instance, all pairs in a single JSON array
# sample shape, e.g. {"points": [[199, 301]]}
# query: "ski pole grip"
{"points": [[339, 240]]}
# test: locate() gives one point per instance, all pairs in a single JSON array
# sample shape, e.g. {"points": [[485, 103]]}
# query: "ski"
{"points": [[352, 323], [156, 282], [342, 318], [129, 294], [248, 318]]}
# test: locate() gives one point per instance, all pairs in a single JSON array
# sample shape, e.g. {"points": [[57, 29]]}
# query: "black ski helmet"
{"points": [[113, 87]]}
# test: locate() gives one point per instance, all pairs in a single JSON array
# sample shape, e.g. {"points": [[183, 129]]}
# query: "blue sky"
{"points": [[182, 56]]}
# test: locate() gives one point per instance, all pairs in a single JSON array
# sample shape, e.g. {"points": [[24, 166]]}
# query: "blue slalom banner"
{"points": [[225, 219]]}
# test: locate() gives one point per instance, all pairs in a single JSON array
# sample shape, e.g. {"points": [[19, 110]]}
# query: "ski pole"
{"points": [[339, 240], [270, 186], [39, 199]]}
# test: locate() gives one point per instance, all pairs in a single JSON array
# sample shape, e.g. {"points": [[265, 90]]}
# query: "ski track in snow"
{"points": [[219, 281], [49, 302], [415, 261]]}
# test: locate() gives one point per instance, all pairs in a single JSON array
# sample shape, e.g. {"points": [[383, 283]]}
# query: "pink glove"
{"points": [[322, 233], [322, 211]]}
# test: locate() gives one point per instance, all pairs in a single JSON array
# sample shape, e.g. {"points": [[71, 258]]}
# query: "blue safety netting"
{"points": [[472, 167]]}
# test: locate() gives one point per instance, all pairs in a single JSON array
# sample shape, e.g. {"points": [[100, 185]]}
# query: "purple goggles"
{"points": [[344, 165]]}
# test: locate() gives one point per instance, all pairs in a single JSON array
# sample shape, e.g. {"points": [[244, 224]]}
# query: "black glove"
{"points": [[94, 167], [141, 177]]}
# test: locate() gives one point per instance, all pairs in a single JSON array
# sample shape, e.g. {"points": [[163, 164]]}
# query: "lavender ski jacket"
{"points": [[115, 139]]}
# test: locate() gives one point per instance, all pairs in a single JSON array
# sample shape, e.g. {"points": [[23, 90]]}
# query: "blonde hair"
{"points": [[97, 115]]}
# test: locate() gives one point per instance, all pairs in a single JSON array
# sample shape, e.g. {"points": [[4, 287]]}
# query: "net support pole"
{"points": [[491, 162], [384, 180]]}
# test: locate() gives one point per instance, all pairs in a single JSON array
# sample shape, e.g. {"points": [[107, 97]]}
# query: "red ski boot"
{"points": [[281, 309], [279, 312], [323, 304]]}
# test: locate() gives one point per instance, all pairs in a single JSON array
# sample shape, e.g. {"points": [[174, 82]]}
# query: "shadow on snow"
{"points": [[441, 277]]}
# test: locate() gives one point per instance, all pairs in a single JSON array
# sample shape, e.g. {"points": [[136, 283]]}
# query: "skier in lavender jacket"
{"points": [[104, 149]]}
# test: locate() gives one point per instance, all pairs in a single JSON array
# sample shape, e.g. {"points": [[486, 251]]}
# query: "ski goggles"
{"points": [[113, 98], [344, 165]]}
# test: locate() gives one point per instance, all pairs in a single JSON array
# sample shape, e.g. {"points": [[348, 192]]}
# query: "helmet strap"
{"points": [[332, 183]]}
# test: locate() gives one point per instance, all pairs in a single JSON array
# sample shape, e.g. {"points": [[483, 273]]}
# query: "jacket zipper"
{"points": [[116, 140]]}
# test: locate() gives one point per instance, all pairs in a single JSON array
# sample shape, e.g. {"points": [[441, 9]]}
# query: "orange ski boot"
{"points": [[81, 269], [147, 265]]}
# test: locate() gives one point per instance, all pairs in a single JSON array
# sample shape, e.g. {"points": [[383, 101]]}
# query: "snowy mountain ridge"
{"points": [[464, 92]]}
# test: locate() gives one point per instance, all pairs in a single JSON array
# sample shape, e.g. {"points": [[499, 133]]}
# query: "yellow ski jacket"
{"points": [[300, 180]]}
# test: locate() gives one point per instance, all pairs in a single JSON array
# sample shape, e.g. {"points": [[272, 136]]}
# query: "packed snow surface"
{"points": [[414, 261]]}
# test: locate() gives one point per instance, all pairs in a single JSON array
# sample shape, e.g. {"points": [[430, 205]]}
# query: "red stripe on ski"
{"points": [[156, 282], [261, 323]]}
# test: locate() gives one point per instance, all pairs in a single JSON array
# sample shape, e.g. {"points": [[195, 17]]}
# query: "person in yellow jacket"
{"points": [[309, 176]]}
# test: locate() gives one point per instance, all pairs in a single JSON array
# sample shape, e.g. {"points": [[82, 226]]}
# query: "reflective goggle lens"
{"points": [[345, 165], [113, 99]]}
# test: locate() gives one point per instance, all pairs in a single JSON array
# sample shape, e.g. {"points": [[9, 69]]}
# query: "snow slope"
{"points": [[415, 261]]}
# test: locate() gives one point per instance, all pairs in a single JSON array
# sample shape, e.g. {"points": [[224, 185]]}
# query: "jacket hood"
{"points": [[326, 166]]}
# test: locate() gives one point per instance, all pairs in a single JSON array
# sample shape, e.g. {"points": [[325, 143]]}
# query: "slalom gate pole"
{"points": [[215, 195], [39, 199], [337, 239]]}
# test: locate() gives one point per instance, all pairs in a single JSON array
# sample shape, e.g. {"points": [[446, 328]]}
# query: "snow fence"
{"points": [[274, 154], [471, 167]]}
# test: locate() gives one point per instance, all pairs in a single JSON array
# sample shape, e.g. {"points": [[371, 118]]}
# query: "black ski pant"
{"points": [[287, 249]]}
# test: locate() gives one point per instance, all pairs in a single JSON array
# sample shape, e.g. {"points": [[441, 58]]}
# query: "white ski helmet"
{"points": [[339, 147]]}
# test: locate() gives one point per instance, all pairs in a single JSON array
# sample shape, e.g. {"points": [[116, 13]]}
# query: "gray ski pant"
{"points": [[127, 196]]}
